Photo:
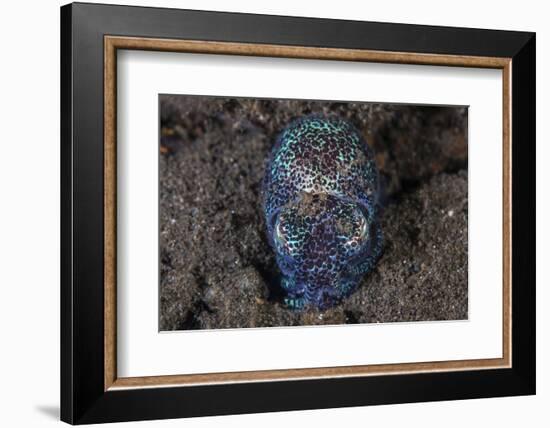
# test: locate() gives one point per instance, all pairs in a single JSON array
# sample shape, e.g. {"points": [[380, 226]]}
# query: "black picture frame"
{"points": [[83, 396]]}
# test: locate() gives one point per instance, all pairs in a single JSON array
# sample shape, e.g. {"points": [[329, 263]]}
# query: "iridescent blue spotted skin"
{"points": [[321, 210]]}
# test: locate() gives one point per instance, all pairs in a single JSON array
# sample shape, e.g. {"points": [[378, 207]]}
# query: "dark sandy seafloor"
{"points": [[217, 268]]}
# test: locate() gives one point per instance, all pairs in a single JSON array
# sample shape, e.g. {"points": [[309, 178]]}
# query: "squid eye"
{"points": [[363, 229], [279, 233], [359, 231]]}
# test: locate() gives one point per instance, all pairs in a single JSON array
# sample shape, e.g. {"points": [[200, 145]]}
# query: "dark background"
{"points": [[217, 269]]}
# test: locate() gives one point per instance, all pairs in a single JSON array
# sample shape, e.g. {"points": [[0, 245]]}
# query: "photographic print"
{"points": [[341, 185], [278, 212]]}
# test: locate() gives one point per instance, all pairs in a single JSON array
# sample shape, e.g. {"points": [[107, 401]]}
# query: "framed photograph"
{"points": [[266, 213]]}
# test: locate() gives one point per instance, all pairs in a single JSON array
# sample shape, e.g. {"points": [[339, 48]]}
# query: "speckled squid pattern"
{"points": [[321, 209]]}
